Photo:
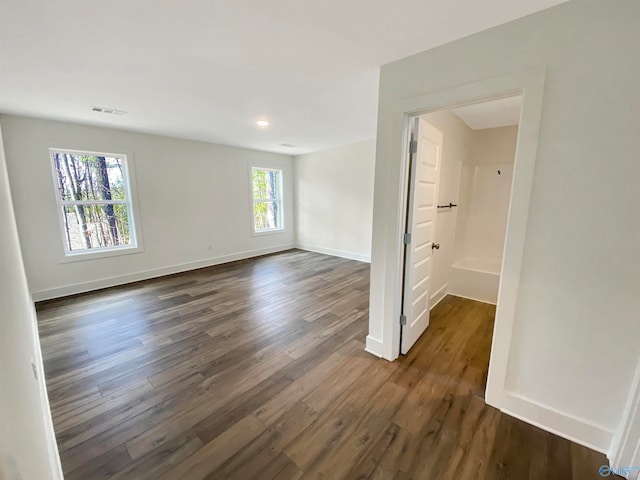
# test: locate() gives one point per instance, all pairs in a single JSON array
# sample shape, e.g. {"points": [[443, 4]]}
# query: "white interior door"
{"points": [[421, 217]]}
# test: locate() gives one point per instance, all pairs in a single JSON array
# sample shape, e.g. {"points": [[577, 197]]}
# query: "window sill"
{"points": [[102, 253], [267, 232]]}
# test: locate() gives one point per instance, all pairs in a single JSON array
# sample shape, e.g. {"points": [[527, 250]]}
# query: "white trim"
{"points": [[391, 177], [154, 273], [439, 295], [72, 203], [336, 253], [532, 85], [625, 447], [52, 446], [471, 298], [96, 253], [373, 346], [390, 201], [131, 201], [575, 429], [267, 231]]}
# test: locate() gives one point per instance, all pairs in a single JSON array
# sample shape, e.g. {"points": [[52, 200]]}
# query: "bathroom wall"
{"points": [[457, 145], [475, 229], [485, 187]]}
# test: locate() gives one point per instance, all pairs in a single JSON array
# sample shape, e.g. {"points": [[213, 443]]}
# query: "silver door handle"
{"points": [[436, 246]]}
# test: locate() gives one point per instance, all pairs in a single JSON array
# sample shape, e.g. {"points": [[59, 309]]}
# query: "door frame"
{"points": [[529, 84], [625, 447]]}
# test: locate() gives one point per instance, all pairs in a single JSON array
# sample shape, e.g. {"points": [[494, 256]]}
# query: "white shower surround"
{"points": [[475, 279], [481, 226]]}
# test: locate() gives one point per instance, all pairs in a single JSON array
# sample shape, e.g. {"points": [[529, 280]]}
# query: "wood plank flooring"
{"points": [[257, 370]]}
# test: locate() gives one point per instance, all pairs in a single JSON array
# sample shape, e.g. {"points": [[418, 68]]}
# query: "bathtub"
{"points": [[476, 279]]}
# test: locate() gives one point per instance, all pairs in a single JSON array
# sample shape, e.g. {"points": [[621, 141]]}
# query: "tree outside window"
{"points": [[267, 199], [93, 201]]}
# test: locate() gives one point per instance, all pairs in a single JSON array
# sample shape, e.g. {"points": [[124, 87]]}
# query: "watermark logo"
{"points": [[605, 471]]}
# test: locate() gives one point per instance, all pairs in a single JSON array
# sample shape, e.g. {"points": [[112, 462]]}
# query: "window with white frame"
{"points": [[266, 186], [94, 201]]}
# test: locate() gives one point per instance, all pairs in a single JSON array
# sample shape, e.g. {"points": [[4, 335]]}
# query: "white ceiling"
{"points": [[208, 69], [496, 113]]}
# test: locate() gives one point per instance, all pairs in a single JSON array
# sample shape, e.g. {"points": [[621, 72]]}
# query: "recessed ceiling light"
{"points": [[262, 123]]}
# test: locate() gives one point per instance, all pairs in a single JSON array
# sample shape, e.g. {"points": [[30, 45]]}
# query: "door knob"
{"points": [[435, 245]]}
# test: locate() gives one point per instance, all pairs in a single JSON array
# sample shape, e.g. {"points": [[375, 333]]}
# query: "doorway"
{"points": [[390, 197], [460, 171]]}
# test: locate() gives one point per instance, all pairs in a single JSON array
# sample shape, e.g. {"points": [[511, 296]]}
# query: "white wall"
{"points": [[574, 340], [468, 177], [27, 443], [494, 145], [457, 139], [334, 200], [191, 195], [484, 195], [626, 444]]}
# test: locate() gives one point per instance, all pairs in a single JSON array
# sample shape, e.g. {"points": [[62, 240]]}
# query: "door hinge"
{"points": [[403, 319], [406, 239], [413, 146]]}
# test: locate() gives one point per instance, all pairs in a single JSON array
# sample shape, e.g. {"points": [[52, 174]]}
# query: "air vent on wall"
{"points": [[108, 111]]}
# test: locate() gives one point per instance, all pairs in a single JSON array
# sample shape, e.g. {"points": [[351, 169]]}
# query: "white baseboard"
{"points": [[373, 346], [336, 253], [575, 429], [437, 297], [578, 430], [147, 274], [471, 298], [625, 448]]}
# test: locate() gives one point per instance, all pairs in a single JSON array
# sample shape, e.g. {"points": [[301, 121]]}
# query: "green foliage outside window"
{"points": [[92, 193], [266, 199]]}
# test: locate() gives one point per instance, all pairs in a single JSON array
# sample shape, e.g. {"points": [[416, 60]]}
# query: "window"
{"points": [[94, 201], [266, 184]]}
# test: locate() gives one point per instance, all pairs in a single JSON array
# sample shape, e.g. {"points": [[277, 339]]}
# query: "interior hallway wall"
{"points": [[28, 448], [576, 325]]}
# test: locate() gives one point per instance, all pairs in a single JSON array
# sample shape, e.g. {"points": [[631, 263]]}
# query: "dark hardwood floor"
{"points": [[257, 369]]}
